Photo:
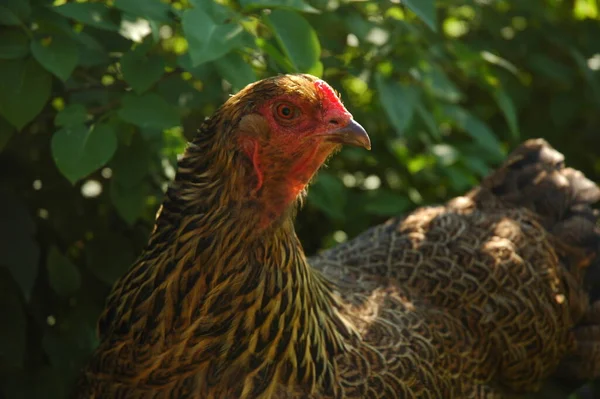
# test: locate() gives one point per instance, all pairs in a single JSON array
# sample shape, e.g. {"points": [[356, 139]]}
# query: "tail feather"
{"points": [[535, 176]]}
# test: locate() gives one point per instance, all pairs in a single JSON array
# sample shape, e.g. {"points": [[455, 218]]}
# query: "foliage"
{"points": [[97, 100]]}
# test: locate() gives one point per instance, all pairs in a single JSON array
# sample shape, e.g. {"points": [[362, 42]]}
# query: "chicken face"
{"points": [[297, 124], [317, 116]]}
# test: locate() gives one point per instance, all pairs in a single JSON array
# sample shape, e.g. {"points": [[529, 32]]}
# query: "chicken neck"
{"points": [[251, 307]]}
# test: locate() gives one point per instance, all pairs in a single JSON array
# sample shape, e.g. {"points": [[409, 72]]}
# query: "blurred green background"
{"points": [[98, 98]]}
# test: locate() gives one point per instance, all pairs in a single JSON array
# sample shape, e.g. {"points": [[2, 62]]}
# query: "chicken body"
{"points": [[479, 298], [467, 300]]}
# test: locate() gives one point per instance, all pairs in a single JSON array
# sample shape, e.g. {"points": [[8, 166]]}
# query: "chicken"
{"points": [[480, 298]]}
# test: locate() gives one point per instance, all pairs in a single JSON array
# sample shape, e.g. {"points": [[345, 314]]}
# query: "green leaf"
{"points": [[141, 71], [57, 53], [63, 275], [6, 132], [131, 162], [440, 85], [92, 14], [24, 90], [508, 109], [476, 165], [590, 76], [14, 12], [387, 203], [476, 128], [148, 111], [128, 189], [297, 39], [13, 44], [109, 256], [79, 151], [129, 200], [425, 9], [398, 101], [327, 193], [8, 17], [459, 179], [48, 22], [151, 9], [19, 251], [276, 55], [72, 114], [91, 51], [551, 69], [429, 121], [219, 13], [207, 40], [297, 5], [235, 70]]}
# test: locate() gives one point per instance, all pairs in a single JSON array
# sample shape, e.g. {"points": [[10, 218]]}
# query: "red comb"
{"points": [[330, 96]]}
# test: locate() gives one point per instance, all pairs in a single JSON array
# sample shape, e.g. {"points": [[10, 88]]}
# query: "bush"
{"points": [[97, 99]]}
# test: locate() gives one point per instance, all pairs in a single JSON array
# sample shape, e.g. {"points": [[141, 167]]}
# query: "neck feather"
{"points": [[243, 305]]}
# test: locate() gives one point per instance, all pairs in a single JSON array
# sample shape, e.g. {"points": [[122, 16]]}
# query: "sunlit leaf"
{"points": [[476, 128], [298, 40], [440, 85], [398, 101], [276, 55], [235, 70], [429, 121], [425, 9], [508, 109], [445, 153], [209, 41]]}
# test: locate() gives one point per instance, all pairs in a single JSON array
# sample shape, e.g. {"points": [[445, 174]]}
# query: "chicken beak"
{"points": [[351, 134]]}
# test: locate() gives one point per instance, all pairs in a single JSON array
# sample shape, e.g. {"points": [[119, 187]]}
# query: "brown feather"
{"points": [[472, 299]]}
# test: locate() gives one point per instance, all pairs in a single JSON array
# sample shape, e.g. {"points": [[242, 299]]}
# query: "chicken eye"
{"points": [[286, 111]]}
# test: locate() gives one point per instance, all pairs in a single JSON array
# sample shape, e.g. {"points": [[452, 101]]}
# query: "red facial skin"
{"points": [[289, 150]]}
